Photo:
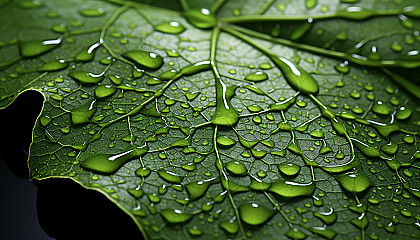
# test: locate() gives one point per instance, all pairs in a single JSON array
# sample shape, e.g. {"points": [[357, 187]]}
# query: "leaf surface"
{"points": [[227, 119]]}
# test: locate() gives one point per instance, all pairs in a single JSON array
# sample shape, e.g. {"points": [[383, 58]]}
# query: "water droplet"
{"points": [[83, 113], [143, 59], [195, 231], [355, 13], [196, 68], [391, 148], [354, 181], [254, 108], [197, 189], [302, 29], [191, 95], [236, 168], [396, 46], [317, 134], [110, 163], [170, 176], [87, 55], [30, 4], [86, 77], [310, 3], [143, 172], [255, 214], [230, 226], [298, 78], [92, 12], [35, 48], [224, 114], [403, 113], [258, 153], [201, 18], [289, 169], [170, 27], [225, 141], [292, 189], [296, 234], [328, 218], [257, 76], [360, 222], [175, 216], [103, 91], [380, 108], [136, 192], [53, 66]]}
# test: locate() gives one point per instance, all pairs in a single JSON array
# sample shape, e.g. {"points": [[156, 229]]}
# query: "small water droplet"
{"points": [[92, 12], [200, 18]]}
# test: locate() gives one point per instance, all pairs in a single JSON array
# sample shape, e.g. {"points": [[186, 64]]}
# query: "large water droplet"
{"points": [[83, 113], [92, 12], [86, 77], [198, 189], [143, 59], [255, 214], [87, 54], [298, 78], [257, 77], [201, 18], [230, 226], [53, 66], [110, 163], [103, 91], [35, 48], [175, 216], [292, 189], [355, 181], [170, 176], [328, 218], [236, 168], [170, 27], [289, 169], [225, 141]]}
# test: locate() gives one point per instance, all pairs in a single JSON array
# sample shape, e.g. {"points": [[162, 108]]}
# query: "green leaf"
{"points": [[227, 119]]}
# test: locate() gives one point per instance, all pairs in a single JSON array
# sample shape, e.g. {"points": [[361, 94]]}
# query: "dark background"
{"points": [[51, 208]]}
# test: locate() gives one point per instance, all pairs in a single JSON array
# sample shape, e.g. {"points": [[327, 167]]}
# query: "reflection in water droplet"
{"points": [[83, 113], [292, 189], [92, 12], [236, 168], [86, 77], [257, 77], [289, 169]]}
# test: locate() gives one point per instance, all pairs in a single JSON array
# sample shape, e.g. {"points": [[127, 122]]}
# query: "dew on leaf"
{"points": [[256, 76], [292, 189], [403, 113], [86, 77], [197, 189], [92, 12], [200, 18], [143, 172], [34, 48], [170, 27], [225, 141], [236, 168], [296, 234], [254, 214], [170, 176], [103, 91], [87, 55], [144, 59], [354, 181], [53, 66], [83, 113], [298, 78], [110, 163], [231, 226], [289, 169]]}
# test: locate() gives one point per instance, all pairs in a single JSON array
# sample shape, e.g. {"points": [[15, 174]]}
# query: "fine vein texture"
{"points": [[227, 119]]}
